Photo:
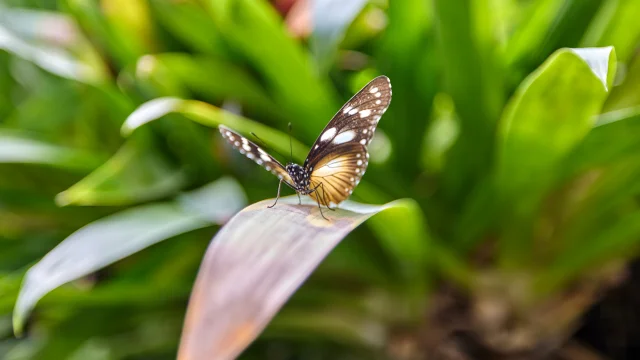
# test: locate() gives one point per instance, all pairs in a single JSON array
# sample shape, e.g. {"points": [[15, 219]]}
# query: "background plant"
{"points": [[521, 159]]}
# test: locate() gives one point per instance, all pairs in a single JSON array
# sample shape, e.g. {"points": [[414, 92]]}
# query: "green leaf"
{"points": [[255, 30], [474, 82], [330, 19], [531, 34], [190, 24], [136, 173], [626, 94], [117, 236], [613, 139], [550, 113], [216, 79], [409, 244], [52, 58], [409, 58], [18, 148], [212, 116], [254, 264], [615, 24], [101, 24], [614, 241]]}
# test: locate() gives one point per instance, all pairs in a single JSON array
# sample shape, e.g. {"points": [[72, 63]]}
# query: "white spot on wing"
{"points": [[359, 162], [264, 157], [364, 131], [246, 147], [344, 137], [347, 109], [373, 90], [365, 113], [328, 134], [363, 141], [353, 111], [378, 102], [378, 94]]}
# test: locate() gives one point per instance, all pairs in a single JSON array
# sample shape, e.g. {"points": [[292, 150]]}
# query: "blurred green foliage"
{"points": [[507, 145]]}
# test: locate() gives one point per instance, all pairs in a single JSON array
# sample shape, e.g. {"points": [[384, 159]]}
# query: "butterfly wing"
{"points": [[255, 153], [339, 157]]}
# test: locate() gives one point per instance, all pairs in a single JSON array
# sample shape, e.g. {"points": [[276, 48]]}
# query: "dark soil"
{"points": [[612, 327]]}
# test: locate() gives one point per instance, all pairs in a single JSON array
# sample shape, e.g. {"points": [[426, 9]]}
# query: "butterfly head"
{"points": [[299, 176]]}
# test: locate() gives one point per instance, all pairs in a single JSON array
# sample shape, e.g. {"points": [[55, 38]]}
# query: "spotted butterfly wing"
{"points": [[256, 153], [339, 157]]}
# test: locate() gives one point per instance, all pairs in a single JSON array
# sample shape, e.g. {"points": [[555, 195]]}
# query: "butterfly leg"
{"points": [[324, 198], [318, 200], [299, 198], [277, 196]]}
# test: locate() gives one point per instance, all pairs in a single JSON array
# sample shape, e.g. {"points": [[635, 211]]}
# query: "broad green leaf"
{"points": [[136, 173], [254, 264], [330, 19], [212, 116], [109, 239], [550, 113], [17, 148]]}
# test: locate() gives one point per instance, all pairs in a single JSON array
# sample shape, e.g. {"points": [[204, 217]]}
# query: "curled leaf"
{"points": [[209, 115], [112, 238], [254, 264]]}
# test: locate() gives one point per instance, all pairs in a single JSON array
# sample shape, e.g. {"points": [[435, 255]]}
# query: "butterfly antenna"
{"points": [[290, 144], [265, 145]]}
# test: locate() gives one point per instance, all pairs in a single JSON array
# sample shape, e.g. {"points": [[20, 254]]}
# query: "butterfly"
{"points": [[338, 158]]}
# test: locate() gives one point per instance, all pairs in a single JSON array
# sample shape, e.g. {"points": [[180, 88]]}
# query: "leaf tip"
{"points": [[63, 199]]}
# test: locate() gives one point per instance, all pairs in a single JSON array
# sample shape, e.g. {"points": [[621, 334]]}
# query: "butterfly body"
{"points": [[300, 177], [338, 158]]}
